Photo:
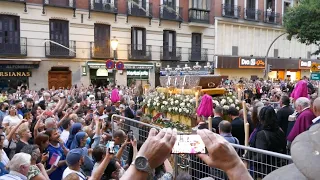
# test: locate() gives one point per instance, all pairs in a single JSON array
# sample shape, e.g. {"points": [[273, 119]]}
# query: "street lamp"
{"points": [[114, 46]]}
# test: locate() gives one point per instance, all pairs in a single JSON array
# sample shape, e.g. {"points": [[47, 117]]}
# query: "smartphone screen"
{"points": [[111, 147], [54, 158], [130, 135], [189, 144]]}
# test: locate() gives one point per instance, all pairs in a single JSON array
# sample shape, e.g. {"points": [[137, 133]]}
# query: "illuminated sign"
{"points": [[251, 63], [15, 74]]}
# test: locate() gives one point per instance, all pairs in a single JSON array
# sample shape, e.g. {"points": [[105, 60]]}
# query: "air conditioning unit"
{"points": [[158, 64]]}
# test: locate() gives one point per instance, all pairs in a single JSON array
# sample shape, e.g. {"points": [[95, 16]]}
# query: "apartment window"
{"points": [[138, 38], [200, 4], [9, 34], [170, 3], [169, 40], [59, 32], [102, 38]]}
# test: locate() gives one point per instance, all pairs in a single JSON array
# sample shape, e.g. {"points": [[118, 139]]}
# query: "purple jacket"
{"points": [[303, 122]]}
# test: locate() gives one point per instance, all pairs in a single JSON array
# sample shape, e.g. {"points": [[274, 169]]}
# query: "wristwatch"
{"points": [[141, 163]]}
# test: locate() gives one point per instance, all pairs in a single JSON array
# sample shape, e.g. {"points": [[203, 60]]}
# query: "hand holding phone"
{"points": [[111, 147], [189, 144], [130, 135]]}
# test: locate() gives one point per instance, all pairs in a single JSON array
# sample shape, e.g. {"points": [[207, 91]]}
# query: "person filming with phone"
{"points": [[158, 148]]}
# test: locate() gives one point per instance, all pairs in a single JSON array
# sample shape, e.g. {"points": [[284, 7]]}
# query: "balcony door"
{"points": [[169, 10], [196, 46], [103, 4], [59, 33], [251, 9], [9, 34], [230, 7], [102, 40], [138, 41], [138, 7], [169, 43]]}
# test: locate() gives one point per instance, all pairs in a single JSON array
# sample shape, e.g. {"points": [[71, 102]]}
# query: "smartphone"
{"points": [[111, 147], [54, 159], [189, 144], [130, 135]]}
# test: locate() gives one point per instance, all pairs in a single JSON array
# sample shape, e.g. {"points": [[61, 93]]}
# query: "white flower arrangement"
{"points": [[176, 104]]}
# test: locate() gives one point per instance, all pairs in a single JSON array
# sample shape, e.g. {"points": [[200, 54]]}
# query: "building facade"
{"points": [[244, 30], [60, 43]]}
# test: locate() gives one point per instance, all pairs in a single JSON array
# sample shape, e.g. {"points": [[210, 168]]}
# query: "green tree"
{"points": [[303, 23]]}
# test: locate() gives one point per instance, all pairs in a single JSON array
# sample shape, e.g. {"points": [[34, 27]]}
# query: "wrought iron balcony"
{"points": [[56, 51], [230, 11], [104, 6], [139, 52], [171, 13], [272, 17], [13, 47], [170, 53], [60, 3], [100, 52], [252, 14], [141, 9], [198, 54], [20, 1], [199, 15]]}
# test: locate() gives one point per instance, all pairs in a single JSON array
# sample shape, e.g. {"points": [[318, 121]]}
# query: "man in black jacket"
{"points": [[284, 113], [218, 112], [237, 125]]}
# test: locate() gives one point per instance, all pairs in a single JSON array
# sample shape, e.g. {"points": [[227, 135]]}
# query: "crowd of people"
{"points": [[69, 134]]}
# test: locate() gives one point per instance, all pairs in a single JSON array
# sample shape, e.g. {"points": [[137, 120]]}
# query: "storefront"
{"points": [[15, 75], [253, 67], [133, 73]]}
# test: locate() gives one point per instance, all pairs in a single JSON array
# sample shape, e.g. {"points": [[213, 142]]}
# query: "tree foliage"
{"points": [[303, 23]]}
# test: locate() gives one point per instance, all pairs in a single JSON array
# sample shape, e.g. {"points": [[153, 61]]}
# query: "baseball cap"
{"points": [[74, 156], [305, 153]]}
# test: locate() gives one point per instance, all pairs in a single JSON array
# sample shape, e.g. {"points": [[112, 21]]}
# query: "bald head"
{"points": [[225, 127], [316, 106]]}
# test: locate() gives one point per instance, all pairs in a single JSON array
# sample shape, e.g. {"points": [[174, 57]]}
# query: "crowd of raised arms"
{"points": [[67, 133]]}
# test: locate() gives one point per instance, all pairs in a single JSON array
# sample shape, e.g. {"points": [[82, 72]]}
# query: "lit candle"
{"points": [[175, 82], [197, 99], [246, 131]]}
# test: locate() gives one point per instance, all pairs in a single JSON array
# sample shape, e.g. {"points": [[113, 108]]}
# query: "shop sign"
{"points": [[251, 63], [137, 73], [305, 64], [19, 66], [130, 66], [102, 72], [315, 76], [15, 74]]}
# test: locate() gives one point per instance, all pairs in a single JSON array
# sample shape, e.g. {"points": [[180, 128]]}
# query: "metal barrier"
{"points": [[259, 162]]}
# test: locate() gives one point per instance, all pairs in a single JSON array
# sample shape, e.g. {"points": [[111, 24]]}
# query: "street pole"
{"points": [[114, 59], [266, 58]]}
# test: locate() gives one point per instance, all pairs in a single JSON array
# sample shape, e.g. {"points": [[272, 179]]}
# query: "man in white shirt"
{"points": [[4, 157], [66, 125], [19, 167], [75, 159]]}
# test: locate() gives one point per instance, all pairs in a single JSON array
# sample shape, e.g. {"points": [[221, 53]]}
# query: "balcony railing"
{"points": [[272, 17], [198, 54], [139, 52], [140, 9], [230, 11], [170, 53], [199, 15], [100, 52], [54, 50], [171, 13], [22, 1], [104, 6], [60, 3], [252, 14], [13, 47]]}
